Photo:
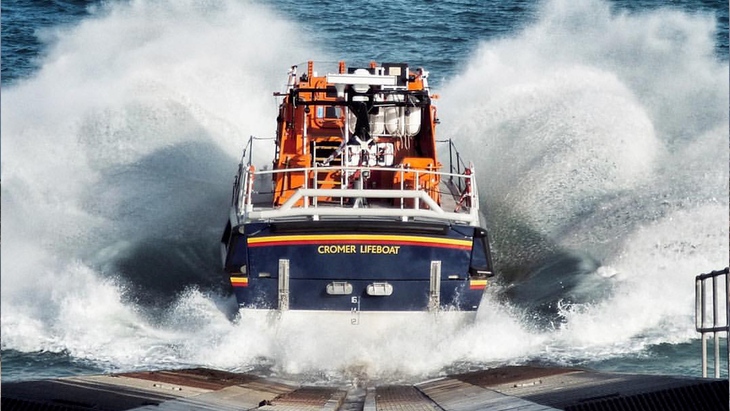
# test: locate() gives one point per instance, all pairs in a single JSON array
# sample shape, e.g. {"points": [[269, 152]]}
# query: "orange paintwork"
{"points": [[302, 127]]}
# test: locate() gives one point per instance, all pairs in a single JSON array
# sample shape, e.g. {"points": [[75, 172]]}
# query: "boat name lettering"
{"points": [[379, 249], [336, 249], [363, 249]]}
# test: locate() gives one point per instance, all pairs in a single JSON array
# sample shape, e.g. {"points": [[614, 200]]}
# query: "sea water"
{"points": [[599, 132]]}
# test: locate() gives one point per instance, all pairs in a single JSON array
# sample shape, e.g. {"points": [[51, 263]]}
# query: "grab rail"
{"points": [[710, 319], [460, 183], [456, 163], [246, 208]]}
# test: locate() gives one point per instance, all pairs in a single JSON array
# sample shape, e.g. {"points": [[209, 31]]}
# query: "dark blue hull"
{"points": [[357, 266]]}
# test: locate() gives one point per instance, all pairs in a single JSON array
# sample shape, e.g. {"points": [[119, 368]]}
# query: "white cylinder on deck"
{"points": [[377, 121], [394, 121], [413, 121]]}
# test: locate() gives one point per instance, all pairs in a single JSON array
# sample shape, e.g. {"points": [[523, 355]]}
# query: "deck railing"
{"points": [[456, 163], [455, 199], [712, 314], [304, 200]]}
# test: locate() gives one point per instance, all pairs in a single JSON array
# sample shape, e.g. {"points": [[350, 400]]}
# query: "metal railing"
{"points": [[712, 314], [410, 201], [456, 163]]}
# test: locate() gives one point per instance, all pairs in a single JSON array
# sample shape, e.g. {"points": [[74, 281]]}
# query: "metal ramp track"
{"points": [[505, 388], [398, 398]]}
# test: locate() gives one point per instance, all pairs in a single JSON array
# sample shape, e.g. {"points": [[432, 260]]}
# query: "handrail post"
{"points": [[306, 185], [727, 317], [715, 323], [402, 177], [716, 326], [249, 188], [416, 202], [451, 160], [704, 355], [458, 167], [700, 320], [316, 180]]}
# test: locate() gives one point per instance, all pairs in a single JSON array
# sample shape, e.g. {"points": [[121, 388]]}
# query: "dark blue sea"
{"points": [[599, 130]]}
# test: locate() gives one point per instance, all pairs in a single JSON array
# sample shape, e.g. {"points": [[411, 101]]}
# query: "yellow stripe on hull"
{"points": [[333, 238]]}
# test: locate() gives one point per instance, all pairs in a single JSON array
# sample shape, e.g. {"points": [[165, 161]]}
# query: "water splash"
{"points": [[603, 150]]}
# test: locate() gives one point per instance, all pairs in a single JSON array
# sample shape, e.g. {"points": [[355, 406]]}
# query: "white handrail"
{"points": [[247, 210], [710, 321], [360, 193]]}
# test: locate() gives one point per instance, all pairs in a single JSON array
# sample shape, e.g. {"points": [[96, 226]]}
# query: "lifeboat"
{"points": [[356, 213]]}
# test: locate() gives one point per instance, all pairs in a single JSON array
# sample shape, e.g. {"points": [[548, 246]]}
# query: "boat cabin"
{"points": [[360, 128]]}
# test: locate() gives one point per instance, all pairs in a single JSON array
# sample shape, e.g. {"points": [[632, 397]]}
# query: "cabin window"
{"points": [[479, 255], [333, 112], [237, 254], [329, 112]]}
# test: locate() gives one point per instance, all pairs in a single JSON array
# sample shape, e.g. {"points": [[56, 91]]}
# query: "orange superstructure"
{"points": [[381, 118]]}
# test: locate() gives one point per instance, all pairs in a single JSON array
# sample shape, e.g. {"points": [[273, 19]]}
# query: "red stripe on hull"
{"points": [[328, 242]]}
